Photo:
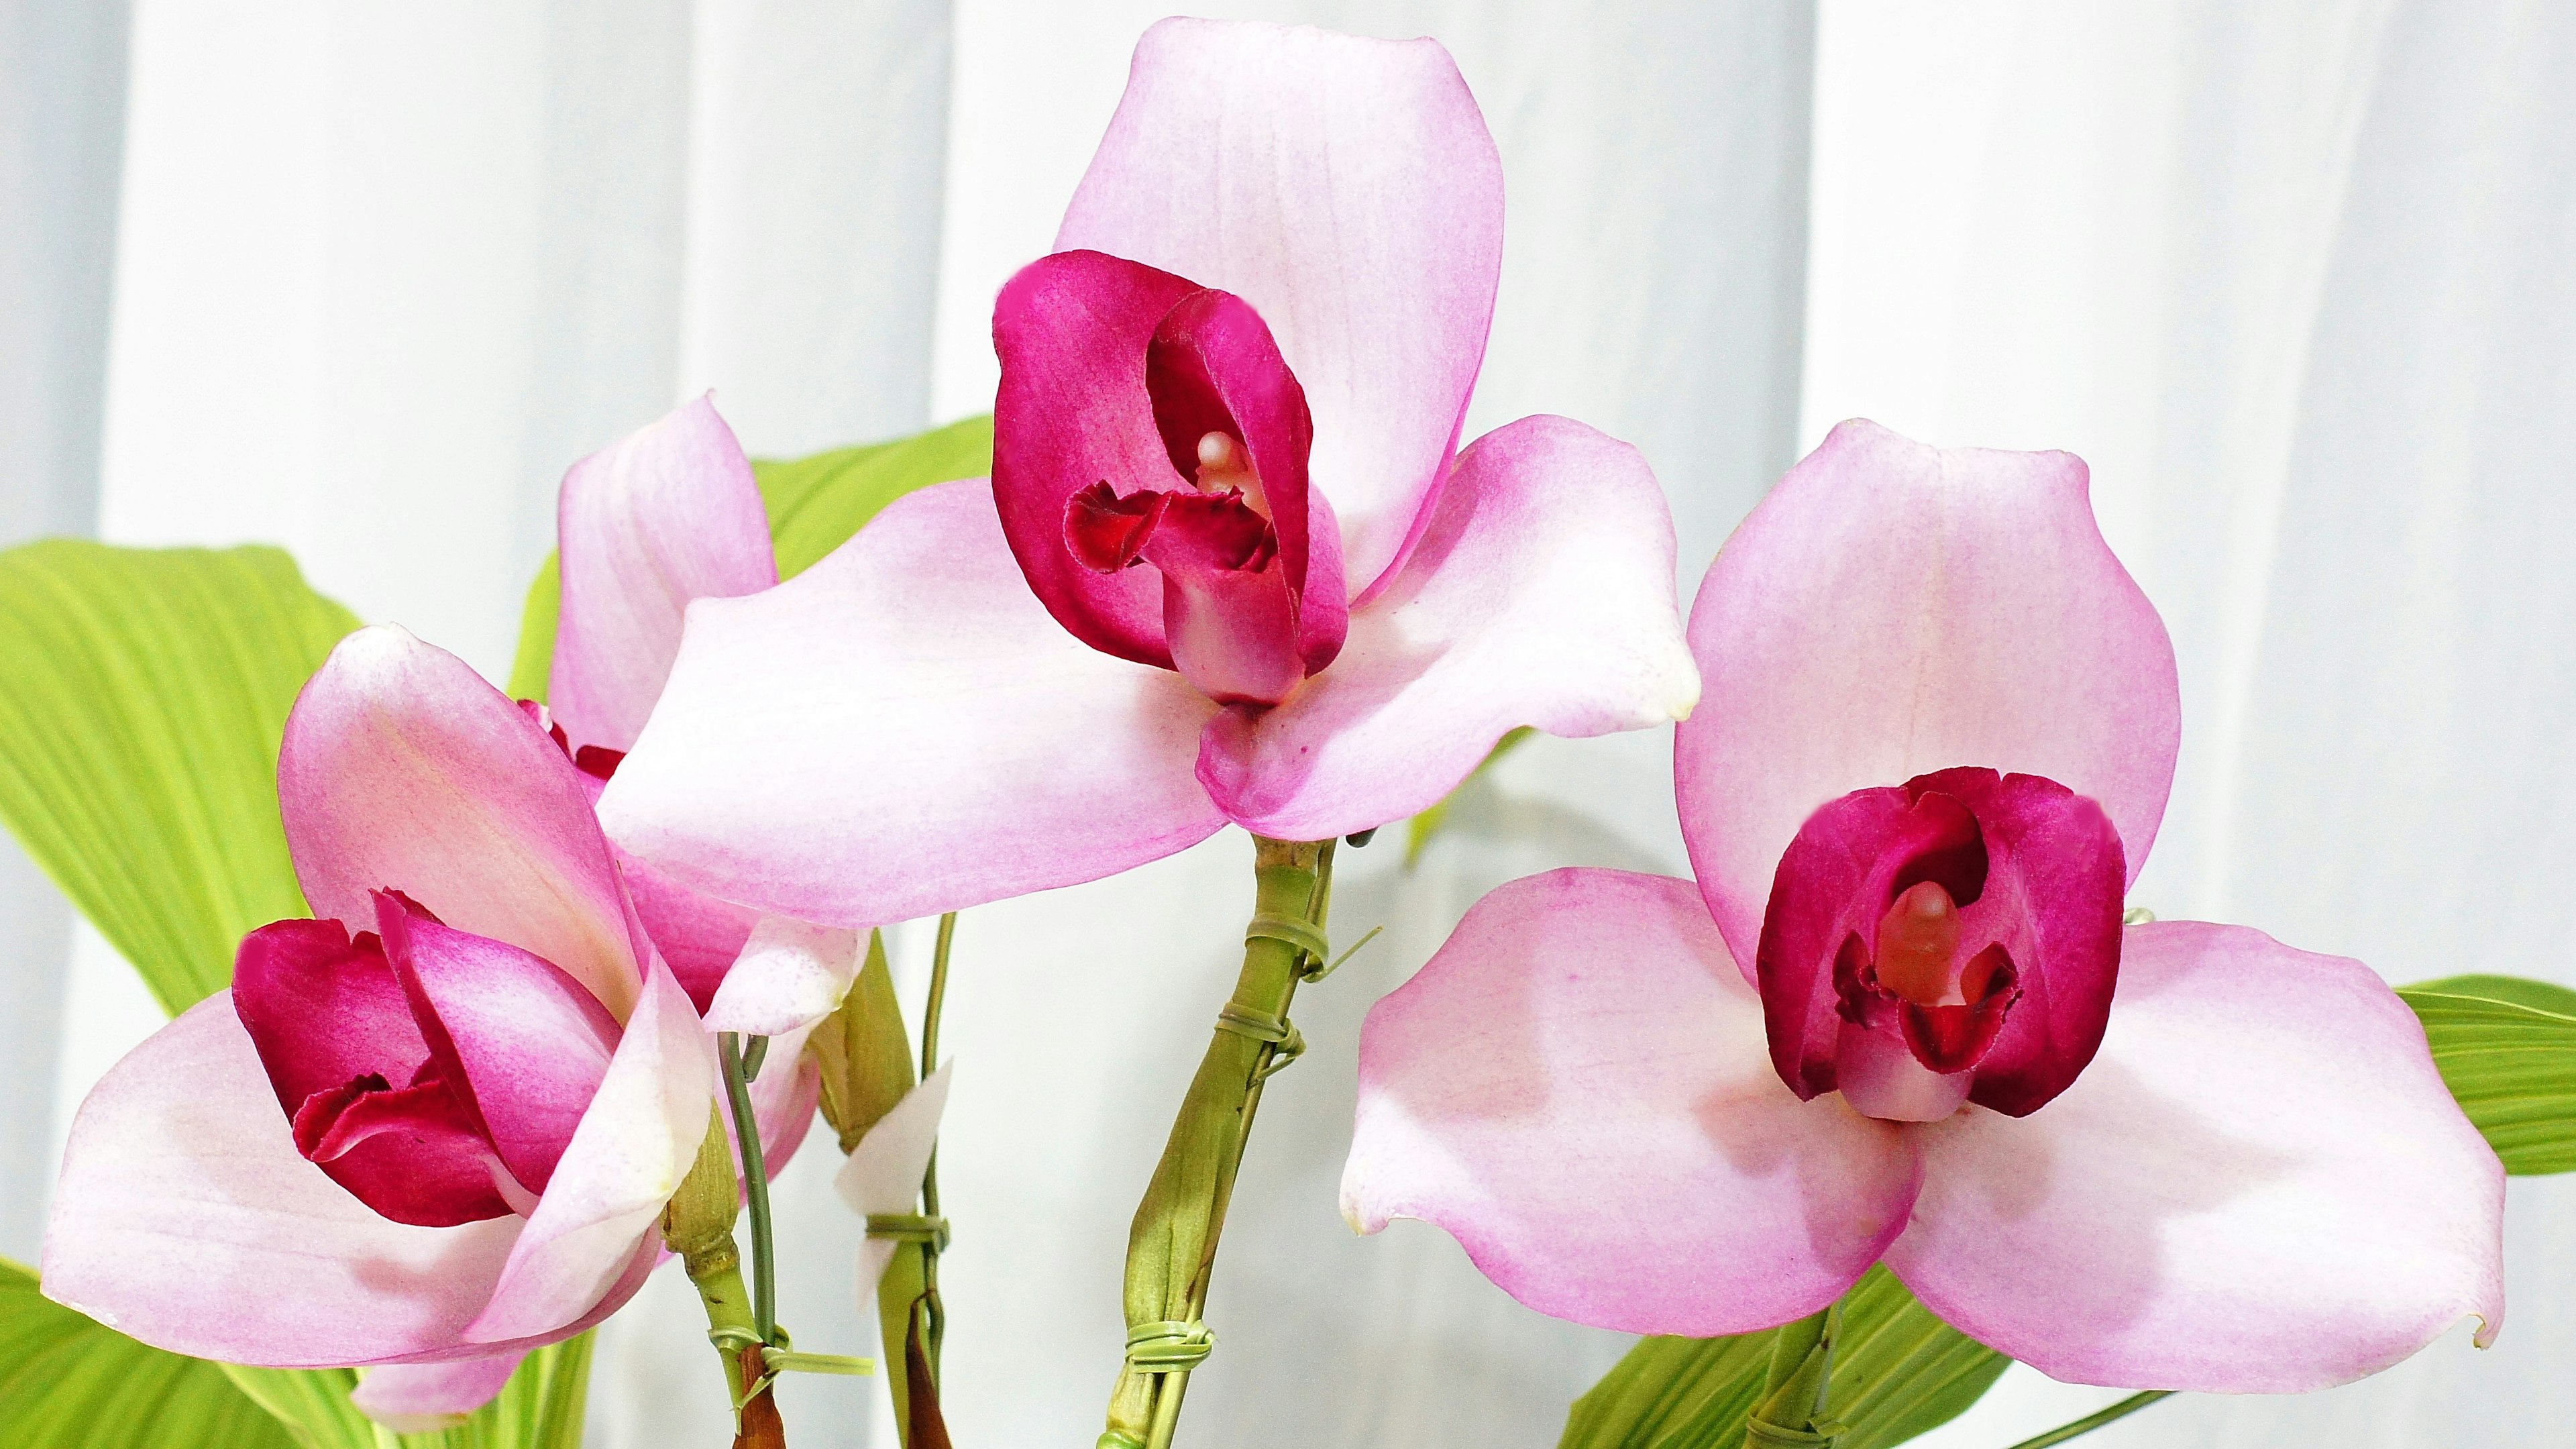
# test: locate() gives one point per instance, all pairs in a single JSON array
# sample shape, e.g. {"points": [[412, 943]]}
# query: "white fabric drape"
{"points": [[2290, 276]]}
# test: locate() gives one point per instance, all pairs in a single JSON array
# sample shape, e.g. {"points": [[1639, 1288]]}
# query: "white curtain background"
{"points": [[362, 278]]}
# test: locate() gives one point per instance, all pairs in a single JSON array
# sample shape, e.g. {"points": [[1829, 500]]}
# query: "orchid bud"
{"points": [[697, 1223], [865, 1056]]}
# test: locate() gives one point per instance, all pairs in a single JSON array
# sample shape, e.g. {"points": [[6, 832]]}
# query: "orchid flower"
{"points": [[1230, 565], [1899, 1016], [433, 1125], [438, 1038]]}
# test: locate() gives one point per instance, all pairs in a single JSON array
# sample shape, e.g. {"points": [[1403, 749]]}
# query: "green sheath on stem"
{"points": [[1171, 1247]]}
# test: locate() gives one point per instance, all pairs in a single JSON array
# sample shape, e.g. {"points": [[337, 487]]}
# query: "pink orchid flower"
{"points": [[1899, 1017], [435, 1123], [1230, 565], [433, 1127]]}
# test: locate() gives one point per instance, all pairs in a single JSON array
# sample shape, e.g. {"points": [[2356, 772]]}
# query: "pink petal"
{"points": [[667, 514], [883, 1173], [521, 1043], [790, 975], [1575, 1087], [634, 1144], [698, 935], [1540, 595], [1072, 332], [2036, 872], [783, 1099], [901, 730], [403, 770], [1346, 188], [2260, 1186], [424, 1398], [345, 1057], [1214, 367], [184, 1217], [1112, 375], [1892, 609]]}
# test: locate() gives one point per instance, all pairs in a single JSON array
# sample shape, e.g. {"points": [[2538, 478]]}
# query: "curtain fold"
{"points": [[2290, 278], [62, 125]]}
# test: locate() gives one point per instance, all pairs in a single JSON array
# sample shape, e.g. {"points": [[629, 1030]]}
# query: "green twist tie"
{"points": [[910, 1228], [785, 1361], [1254, 1023], [1761, 1434], [1119, 1439], [1263, 1026], [1168, 1345], [1303, 934]]}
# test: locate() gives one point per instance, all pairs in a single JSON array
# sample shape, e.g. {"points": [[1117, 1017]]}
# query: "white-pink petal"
{"points": [[627, 1157], [903, 730], [790, 975], [1576, 1088], [1349, 190], [1892, 609], [185, 1218], [2259, 1186], [423, 1398], [667, 514], [1541, 594], [403, 770], [883, 1173]]}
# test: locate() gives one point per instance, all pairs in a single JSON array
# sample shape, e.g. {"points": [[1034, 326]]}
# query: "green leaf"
{"points": [[2506, 1047], [2546, 996], [542, 1406], [1898, 1372], [142, 696], [67, 1382], [815, 504], [1418, 832]]}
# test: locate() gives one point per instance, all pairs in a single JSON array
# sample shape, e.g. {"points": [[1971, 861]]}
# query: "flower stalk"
{"points": [[2090, 1422], [698, 1225], [1171, 1248]]}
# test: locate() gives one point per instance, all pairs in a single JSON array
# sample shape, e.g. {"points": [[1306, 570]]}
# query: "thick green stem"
{"points": [[1171, 1248], [2090, 1422], [1800, 1379]]}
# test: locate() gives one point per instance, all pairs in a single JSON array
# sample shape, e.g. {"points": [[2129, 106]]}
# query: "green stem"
{"points": [[755, 1180], [1171, 1247], [2090, 1422], [935, 1328]]}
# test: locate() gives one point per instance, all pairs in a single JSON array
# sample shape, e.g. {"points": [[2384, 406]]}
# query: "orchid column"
{"points": [[1230, 567]]}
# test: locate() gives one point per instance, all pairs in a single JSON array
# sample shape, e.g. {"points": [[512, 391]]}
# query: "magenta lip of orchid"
{"points": [[1897, 1017], [1231, 566], [442, 1115]]}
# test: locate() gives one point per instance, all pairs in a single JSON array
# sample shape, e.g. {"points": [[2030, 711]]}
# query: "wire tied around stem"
{"points": [[1169, 1346], [1303, 934], [910, 1228]]}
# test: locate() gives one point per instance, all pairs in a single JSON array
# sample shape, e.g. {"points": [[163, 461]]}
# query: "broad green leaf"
{"points": [[2520, 990], [815, 504], [142, 696], [1418, 831], [542, 1407], [67, 1382], [1898, 1372], [313, 1404], [2508, 1053]]}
